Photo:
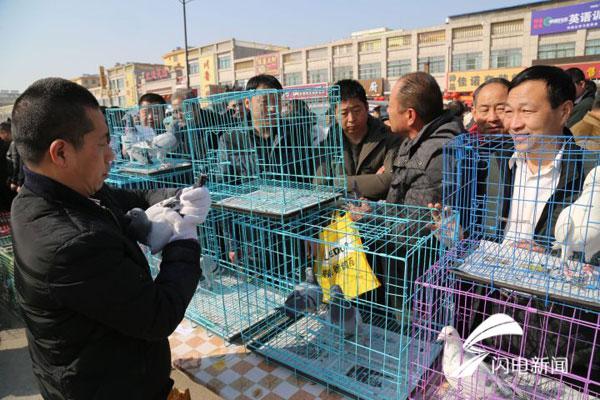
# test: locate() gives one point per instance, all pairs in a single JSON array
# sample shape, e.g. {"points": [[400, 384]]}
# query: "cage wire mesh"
{"points": [[278, 154], [151, 148], [355, 337], [529, 219]]}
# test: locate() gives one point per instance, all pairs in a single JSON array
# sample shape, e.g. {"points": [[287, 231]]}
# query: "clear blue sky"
{"points": [[70, 37]]}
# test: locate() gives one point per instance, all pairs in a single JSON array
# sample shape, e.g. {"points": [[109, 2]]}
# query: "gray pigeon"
{"points": [[209, 266], [306, 297], [342, 313]]}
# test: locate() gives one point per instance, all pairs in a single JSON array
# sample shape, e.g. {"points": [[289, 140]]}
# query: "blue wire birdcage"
{"points": [[276, 153], [375, 257], [151, 148], [530, 219]]}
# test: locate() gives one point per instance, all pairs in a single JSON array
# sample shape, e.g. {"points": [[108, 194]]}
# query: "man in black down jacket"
{"points": [[97, 324], [416, 113]]}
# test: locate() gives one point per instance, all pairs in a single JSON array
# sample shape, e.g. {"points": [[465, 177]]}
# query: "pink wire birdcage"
{"points": [[556, 357]]}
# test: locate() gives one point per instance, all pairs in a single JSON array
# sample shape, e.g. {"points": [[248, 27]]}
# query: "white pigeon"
{"points": [[163, 144], [342, 313], [578, 225], [463, 365]]}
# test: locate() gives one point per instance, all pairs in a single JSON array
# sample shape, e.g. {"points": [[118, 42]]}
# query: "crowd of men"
{"points": [[97, 323]]}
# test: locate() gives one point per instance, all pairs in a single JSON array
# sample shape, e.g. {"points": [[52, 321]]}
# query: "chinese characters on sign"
{"points": [[563, 19], [470, 80], [267, 64], [156, 74], [207, 74]]}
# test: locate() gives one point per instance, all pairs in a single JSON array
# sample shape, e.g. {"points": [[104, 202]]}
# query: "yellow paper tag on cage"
{"points": [[341, 261]]}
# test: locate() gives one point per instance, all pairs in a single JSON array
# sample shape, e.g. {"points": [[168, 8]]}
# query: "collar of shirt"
{"points": [[521, 158]]}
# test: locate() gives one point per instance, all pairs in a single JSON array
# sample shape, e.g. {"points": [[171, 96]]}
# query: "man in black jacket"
{"points": [[416, 112], [97, 325], [585, 92]]}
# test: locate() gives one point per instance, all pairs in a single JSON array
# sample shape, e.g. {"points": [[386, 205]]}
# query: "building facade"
{"points": [[460, 54], [212, 66], [8, 96], [124, 83]]}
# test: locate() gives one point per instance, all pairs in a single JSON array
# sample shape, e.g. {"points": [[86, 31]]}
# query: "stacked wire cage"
{"points": [[528, 247], [275, 156], [357, 338], [151, 148], [7, 272]]}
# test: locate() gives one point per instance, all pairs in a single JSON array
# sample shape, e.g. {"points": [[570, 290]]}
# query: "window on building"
{"points": [[292, 78], [506, 58], [436, 64], [432, 37], [342, 50], [120, 84], [344, 72], [194, 68], [370, 46], [224, 61], [505, 27], [244, 65], [317, 54], [592, 47], [557, 50], [121, 101], [369, 71], [398, 41], [175, 58], [467, 32], [318, 75], [398, 68], [292, 57], [466, 61]]}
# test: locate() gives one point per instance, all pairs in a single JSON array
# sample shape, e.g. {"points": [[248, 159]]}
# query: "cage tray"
{"points": [[227, 308], [538, 386], [372, 365], [154, 169], [531, 272], [276, 201]]}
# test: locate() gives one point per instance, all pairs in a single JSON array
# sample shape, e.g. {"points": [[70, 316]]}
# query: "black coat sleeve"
{"points": [[126, 199], [92, 276]]}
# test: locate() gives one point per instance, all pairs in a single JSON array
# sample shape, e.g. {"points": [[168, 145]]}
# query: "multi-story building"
{"points": [[8, 96], [88, 81], [5, 112], [124, 82], [212, 65], [460, 54]]}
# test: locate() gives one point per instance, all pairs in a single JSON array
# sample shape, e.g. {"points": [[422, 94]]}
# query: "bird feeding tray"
{"points": [[156, 169], [540, 274], [371, 364], [277, 201]]}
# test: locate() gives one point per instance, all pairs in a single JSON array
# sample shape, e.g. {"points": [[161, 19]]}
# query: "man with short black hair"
{"points": [[585, 92], [97, 324], [264, 134], [416, 113], [369, 146], [152, 110], [544, 175]]}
